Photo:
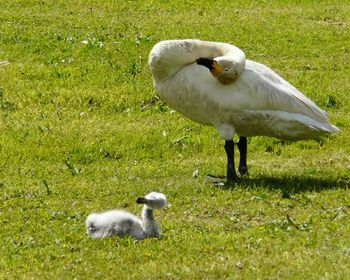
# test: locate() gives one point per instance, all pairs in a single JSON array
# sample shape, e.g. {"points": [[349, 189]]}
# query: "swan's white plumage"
{"points": [[122, 223], [258, 102]]}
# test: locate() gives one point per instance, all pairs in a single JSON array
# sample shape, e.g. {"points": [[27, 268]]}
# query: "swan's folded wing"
{"points": [[271, 92]]}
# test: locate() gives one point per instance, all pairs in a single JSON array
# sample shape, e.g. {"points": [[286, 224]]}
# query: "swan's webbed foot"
{"points": [[223, 181], [242, 171], [217, 181]]}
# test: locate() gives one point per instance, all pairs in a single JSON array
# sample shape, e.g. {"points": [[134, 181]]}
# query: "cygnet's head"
{"points": [[154, 200], [223, 68]]}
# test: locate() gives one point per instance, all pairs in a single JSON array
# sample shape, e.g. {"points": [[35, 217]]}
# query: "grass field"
{"points": [[82, 130]]}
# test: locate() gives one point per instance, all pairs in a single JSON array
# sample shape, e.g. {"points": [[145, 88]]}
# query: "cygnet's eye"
{"points": [[226, 69]]}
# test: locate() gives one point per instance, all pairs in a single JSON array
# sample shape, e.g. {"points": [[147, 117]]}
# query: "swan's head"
{"points": [[153, 200], [223, 68]]}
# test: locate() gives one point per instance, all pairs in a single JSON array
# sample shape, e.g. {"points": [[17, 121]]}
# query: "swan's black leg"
{"points": [[242, 147], [231, 174]]}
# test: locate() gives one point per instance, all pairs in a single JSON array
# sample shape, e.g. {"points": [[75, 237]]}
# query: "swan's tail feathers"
{"points": [[333, 129], [101, 231], [315, 128], [320, 127], [95, 229], [326, 127], [323, 128]]}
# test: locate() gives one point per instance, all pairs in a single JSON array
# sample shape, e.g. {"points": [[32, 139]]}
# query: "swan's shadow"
{"points": [[291, 184]]}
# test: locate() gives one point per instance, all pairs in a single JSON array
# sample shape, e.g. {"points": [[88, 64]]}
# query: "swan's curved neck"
{"points": [[150, 225], [147, 214], [168, 57]]}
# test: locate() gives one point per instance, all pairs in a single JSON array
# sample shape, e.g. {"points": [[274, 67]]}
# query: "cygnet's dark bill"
{"points": [[141, 200]]}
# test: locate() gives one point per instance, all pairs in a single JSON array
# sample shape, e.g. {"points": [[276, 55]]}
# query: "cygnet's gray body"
{"points": [[123, 223]]}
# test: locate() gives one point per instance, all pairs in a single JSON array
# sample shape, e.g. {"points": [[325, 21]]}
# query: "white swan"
{"points": [[123, 223], [236, 95]]}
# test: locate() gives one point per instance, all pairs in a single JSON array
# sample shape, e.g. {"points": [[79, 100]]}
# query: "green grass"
{"points": [[82, 131]]}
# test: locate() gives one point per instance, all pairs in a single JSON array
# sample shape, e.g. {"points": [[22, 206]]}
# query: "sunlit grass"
{"points": [[82, 130]]}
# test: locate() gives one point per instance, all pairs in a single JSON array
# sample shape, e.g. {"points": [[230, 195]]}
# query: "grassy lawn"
{"points": [[82, 130]]}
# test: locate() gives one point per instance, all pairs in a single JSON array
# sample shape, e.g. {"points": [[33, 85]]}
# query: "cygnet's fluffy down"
{"points": [[123, 223], [114, 222]]}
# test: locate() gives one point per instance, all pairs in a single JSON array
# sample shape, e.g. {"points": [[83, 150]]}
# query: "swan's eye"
{"points": [[226, 69]]}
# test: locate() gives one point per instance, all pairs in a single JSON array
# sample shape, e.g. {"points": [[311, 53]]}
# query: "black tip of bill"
{"points": [[140, 200], [207, 62]]}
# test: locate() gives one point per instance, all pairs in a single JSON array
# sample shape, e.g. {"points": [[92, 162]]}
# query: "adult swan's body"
{"points": [[235, 96]]}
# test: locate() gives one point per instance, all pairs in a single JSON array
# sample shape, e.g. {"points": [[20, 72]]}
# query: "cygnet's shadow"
{"points": [[290, 184]]}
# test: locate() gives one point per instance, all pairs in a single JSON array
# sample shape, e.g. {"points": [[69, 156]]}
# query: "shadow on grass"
{"points": [[292, 184]]}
